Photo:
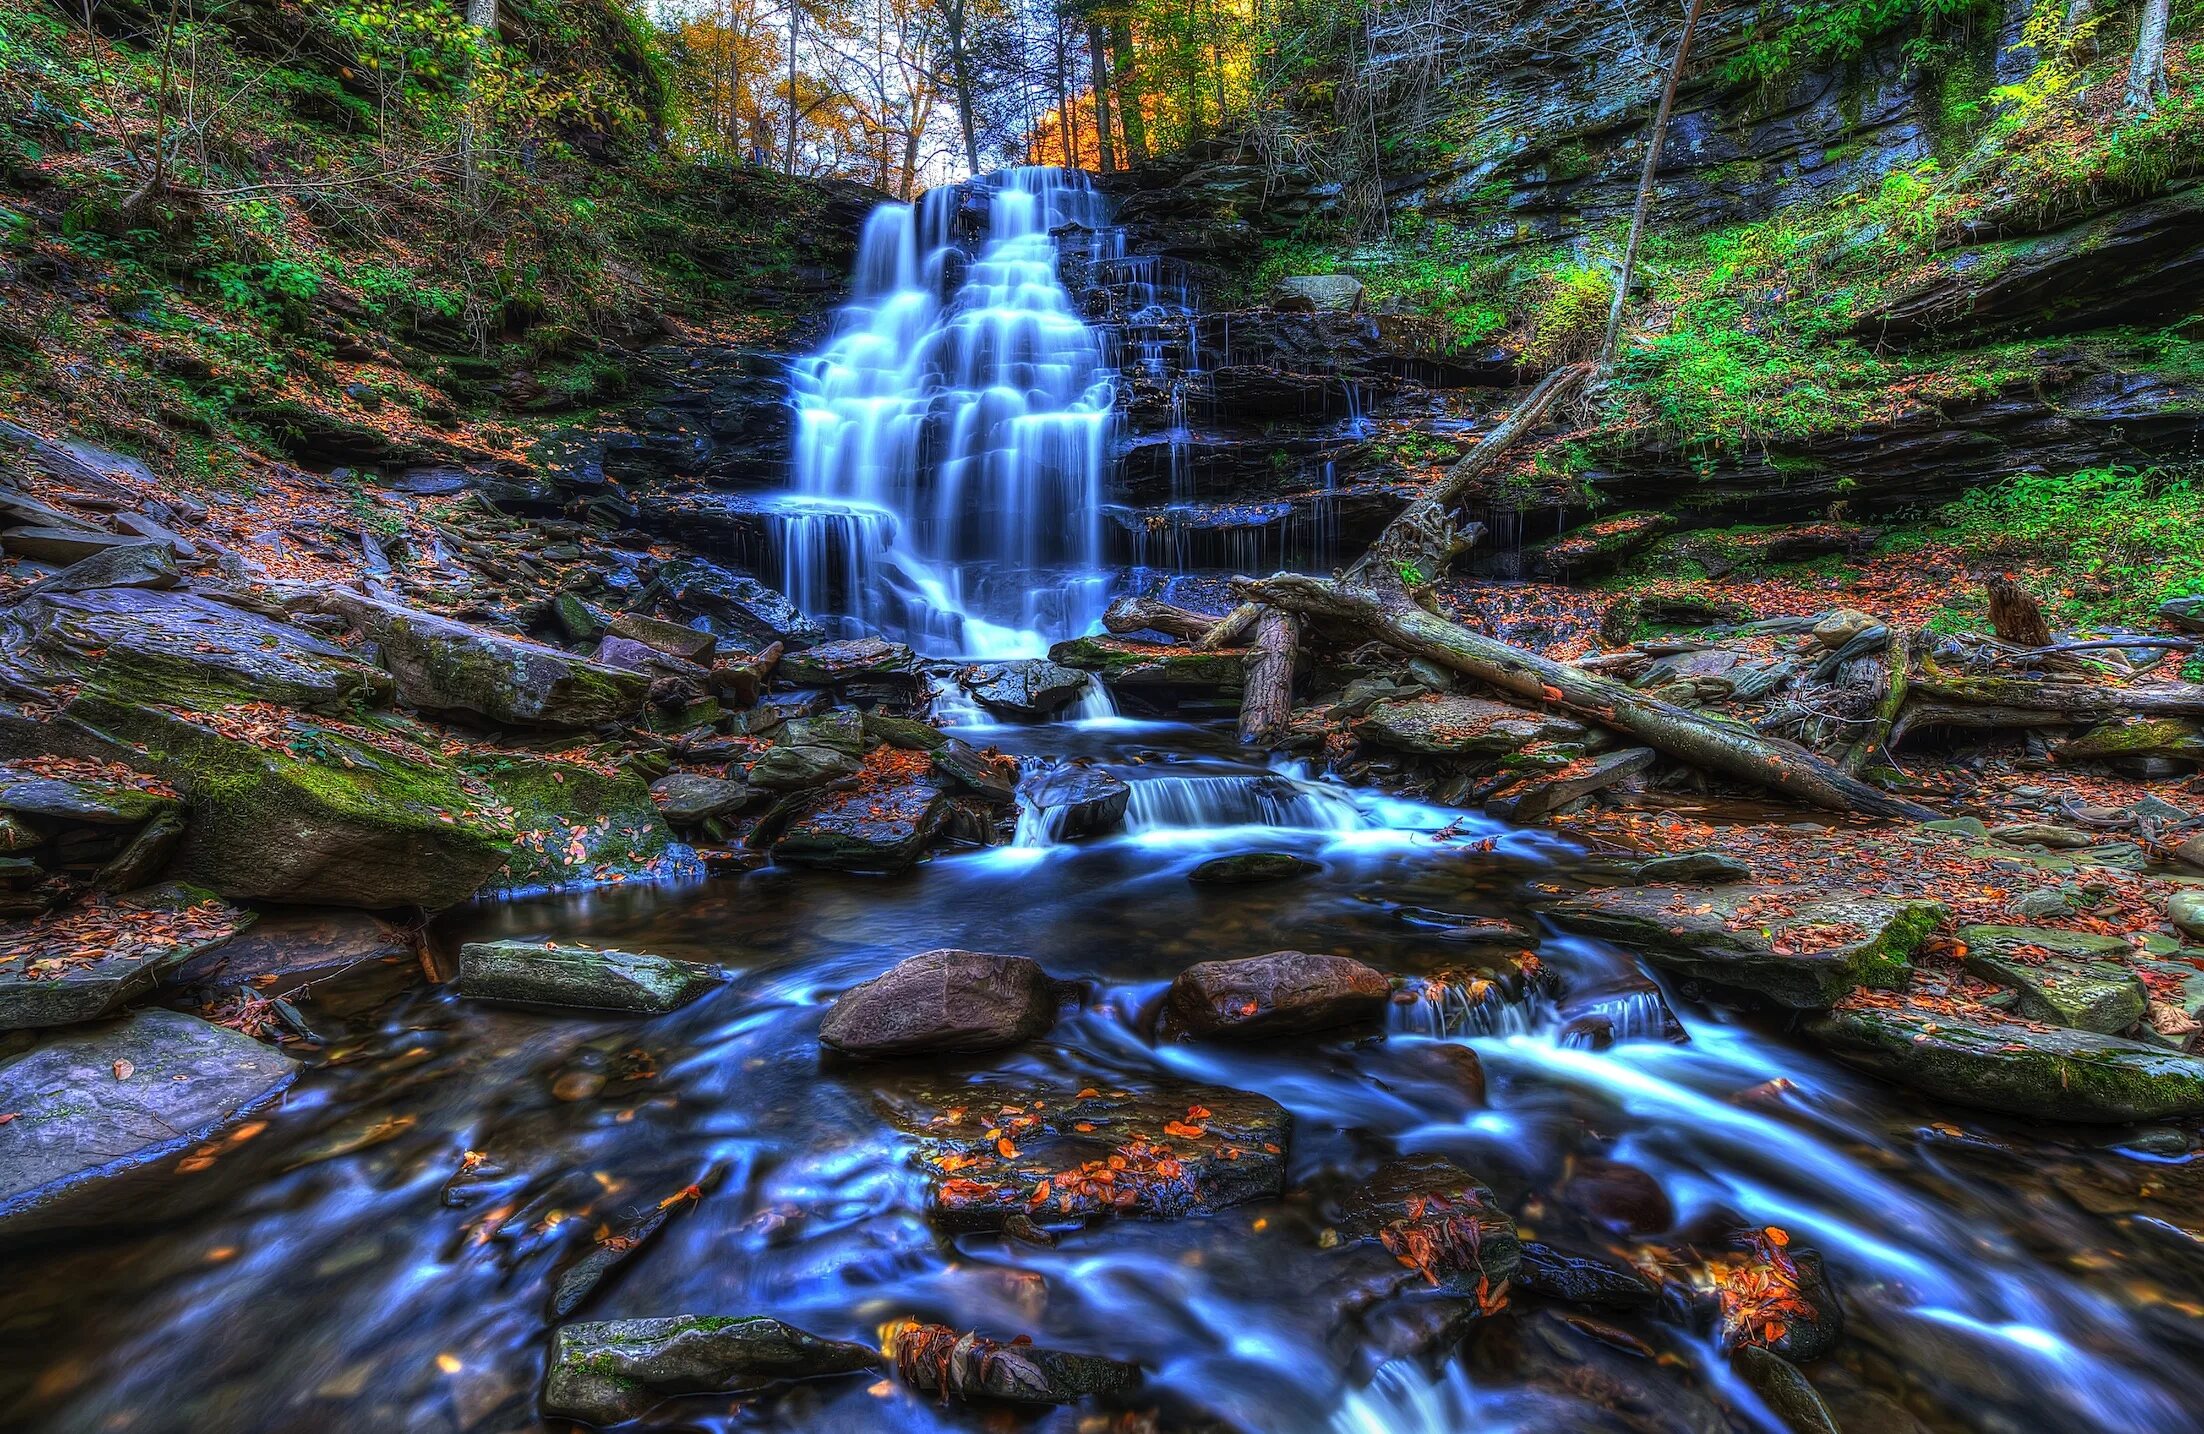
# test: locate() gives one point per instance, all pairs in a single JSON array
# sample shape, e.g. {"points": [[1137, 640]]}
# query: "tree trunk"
{"points": [[1266, 705], [795, 30], [1645, 190], [1138, 614], [2080, 701], [1713, 746], [1098, 60], [2146, 73], [960, 75], [1876, 741], [2016, 616], [1229, 627], [1129, 115]]}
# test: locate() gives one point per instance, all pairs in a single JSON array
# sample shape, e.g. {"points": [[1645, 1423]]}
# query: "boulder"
{"points": [[2068, 978], [290, 947], [834, 664], [869, 831], [93, 1104], [1151, 668], [82, 794], [2178, 738], [740, 608], [1573, 1278], [1317, 294], [1078, 801], [908, 733], [1798, 946], [1980, 1058], [1281, 994], [1440, 1221], [1686, 868], [576, 825], [612, 1372], [1252, 868], [1840, 626], [1537, 795], [1029, 687], [689, 799], [85, 962], [811, 752], [940, 1002], [588, 977], [451, 669], [2185, 909], [936, 1359], [671, 638], [2186, 613], [1453, 725], [985, 773], [125, 565], [1063, 1157]]}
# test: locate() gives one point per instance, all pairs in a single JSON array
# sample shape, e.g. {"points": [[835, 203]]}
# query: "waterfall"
{"points": [[952, 437]]}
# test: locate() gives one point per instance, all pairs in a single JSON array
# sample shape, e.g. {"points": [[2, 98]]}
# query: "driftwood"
{"points": [[1730, 750], [1137, 614], [1229, 628], [1266, 704], [1928, 712]]}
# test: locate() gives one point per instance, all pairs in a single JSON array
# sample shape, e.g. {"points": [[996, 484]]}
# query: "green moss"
{"points": [[1886, 962]]}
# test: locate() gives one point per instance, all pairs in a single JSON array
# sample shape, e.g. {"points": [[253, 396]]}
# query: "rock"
{"points": [[671, 638], [577, 618], [1784, 1390], [940, 1002], [905, 732], [1440, 1221], [2045, 903], [1151, 668], [2191, 852], [1447, 724], [289, 947], [2067, 978], [2043, 834], [1078, 801], [1281, 994], [689, 799], [1031, 687], [937, 1360], [740, 608], [1775, 1298], [1691, 867], [2185, 909], [126, 565], [811, 752], [1252, 868], [983, 772], [834, 664], [1595, 548], [1061, 1157], [1984, 1059], [141, 645], [1799, 946], [1841, 626], [87, 962], [94, 1104], [1535, 796], [1317, 293], [1580, 1279], [451, 669], [65, 547], [87, 797], [587, 977], [876, 833], [615, 1371], [2177, 738], [578, 825], [2186, 613]]}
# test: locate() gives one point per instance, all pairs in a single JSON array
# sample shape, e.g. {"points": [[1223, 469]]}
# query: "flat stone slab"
{"points": [[613, 1371], [82, 792], [289, 947], [95, 1103], [1979, 1058], [588, 977], [1030, 687], [1142, 665], [1449, 724], [1799, 946], [2068, 978], [877, 833], [89, 961], [1535, 796], [1064, 1157]]}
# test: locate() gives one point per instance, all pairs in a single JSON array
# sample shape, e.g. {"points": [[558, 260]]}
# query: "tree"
{"points": [[1099, 65], [1606, 361], [2146, 73]]}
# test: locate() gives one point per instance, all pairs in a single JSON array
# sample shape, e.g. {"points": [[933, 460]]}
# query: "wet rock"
{"points": [[88, 963], [1079, 801], [1621, 1197], [833, 664], [1317, 293], [449, 668], [740, 608], [2068, 978], [578, 825], [1437, 1219], [65, 547], [943, 1001], [872, 832], [1061, 1157], [614, 1247], [1536, 796], [1799, 946], [1689, 868], [1580, 1279], [1446, 724], [982, 772], [1284, 993], [811, 752], [612, 1372], [126, 565], [935, 1359], [1032, 687], [671, 638], [1775, 1298], [2185, 909], [1252, 868], [588, 977], [86, 797], [689, 799], [291, 947], [1980, 1058], [907, 733], [1786, 1391], [93, 1104], [1153, 669]]}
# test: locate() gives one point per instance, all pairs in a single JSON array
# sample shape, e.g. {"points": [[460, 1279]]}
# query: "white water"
{"points": [[953, 435]]}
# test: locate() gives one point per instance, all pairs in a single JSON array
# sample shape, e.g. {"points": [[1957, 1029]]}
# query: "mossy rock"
{"points": [[1119, 663], [2173, 737], [2068, 978], [588, 977], [577, 825], [611, 1372]]}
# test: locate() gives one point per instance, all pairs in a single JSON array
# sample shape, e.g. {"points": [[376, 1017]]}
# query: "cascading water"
{"points": [[952, 437]]}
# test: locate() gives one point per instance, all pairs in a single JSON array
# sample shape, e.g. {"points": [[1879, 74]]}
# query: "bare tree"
{"points": [[2146, 73], [1606, 361], [1098, 62]]}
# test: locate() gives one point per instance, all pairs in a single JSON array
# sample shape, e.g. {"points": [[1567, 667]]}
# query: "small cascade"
{"points": [[1264, 799], [1463, 1004]]}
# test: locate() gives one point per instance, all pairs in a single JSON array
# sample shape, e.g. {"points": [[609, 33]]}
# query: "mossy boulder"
{"points": [[589, 977], [1799, 946], [576, 824], [2069, 978], [1145, 666], [614, 1371], [875, 832], [1980, 1058], [1596, 547]]}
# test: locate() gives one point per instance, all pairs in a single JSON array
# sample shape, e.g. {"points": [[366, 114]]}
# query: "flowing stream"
{"points": [[345, 1264]]}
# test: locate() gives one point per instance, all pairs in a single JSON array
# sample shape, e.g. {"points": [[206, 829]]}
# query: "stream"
{"points": [[346, 1264]]}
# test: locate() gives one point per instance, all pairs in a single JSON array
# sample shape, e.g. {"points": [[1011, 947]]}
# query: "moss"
{"points": [[577, 825], [1886, 962]]}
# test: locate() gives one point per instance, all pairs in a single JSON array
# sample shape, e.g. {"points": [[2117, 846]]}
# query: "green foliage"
{"points": [[2123, 538], [1827, 33]]}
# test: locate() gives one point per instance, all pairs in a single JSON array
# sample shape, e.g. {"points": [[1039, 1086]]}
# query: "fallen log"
{"points": [[1266, 706], [1923, 712], [2081, 701], [1228, 628], [1876, 740], [1720, 747], [1140, 613]]}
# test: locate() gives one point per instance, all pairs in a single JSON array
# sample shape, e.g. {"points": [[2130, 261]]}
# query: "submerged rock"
{"points": [[936, 1359], [1284, 993], [877, 833], [1980, 1058], [1580, 1279], [2068, 978], [93, 1104], [588, 977], [1060, 1157], [1031, 687], [291, 946], [89, 962], [1252, 868], [943, 1001], [1079, 801], [611, 1372], [1440, 1221], [1799, 946]]}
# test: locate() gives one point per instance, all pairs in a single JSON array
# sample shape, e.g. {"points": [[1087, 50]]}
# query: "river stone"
{"points": [[1437, 1219], [611, 1372], [578, 619], [1784, 1390], [1079, 801], [2068, 978], [1063, 1157], [140, 645], [126, 565], [1317, 293], [1580, 1279], [1730, 935], [690, 799], [935, 1359], [587, 977], [451, 669], [1535, 796], [46, 979], [2043, 834], [2185, 909], [95, 1103], [1981, 1058], [831, 664], [872, 832], [290, 947], [1029, 687], [1284, 993], [983, 772], [943, 1001], [1252, 868], [671, 638], [1147, 667], [1691, 868], [1449, 724], [739, 607], [811, 752]]}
